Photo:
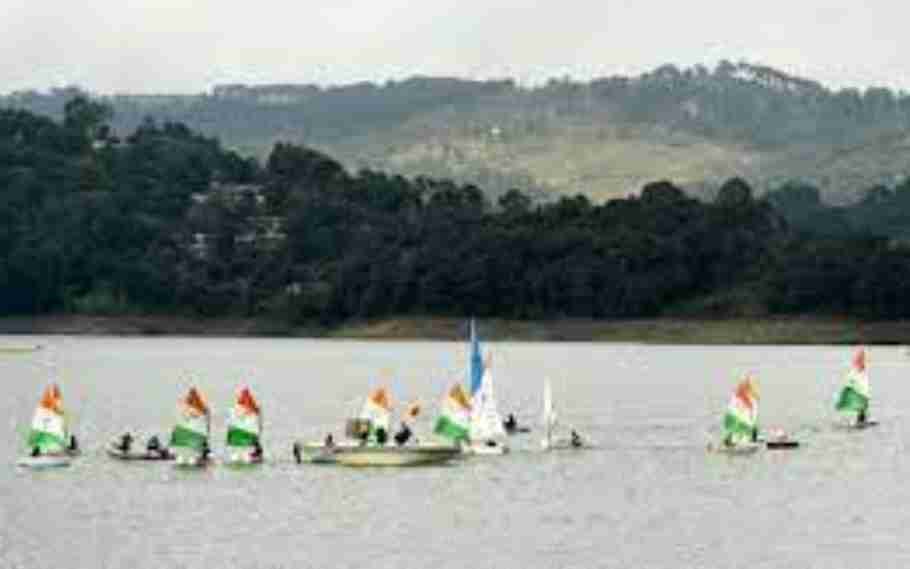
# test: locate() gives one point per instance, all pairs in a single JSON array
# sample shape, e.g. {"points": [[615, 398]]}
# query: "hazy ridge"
{"points": [[604, 138]]}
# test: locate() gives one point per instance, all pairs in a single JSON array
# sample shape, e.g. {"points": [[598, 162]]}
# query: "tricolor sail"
{"points": [[245, 423], [193, 423], [377, 409], [854, 396], [741, 418], [455, 421], [49, 431]]}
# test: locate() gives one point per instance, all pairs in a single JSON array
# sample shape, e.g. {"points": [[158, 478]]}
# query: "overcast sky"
{"points": [[145, 46]]}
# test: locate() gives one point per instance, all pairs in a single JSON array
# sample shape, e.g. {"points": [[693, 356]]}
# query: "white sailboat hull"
{"points": [[353, 454], [46, 461]]}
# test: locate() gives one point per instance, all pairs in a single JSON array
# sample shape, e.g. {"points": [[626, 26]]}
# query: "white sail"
{"points": [[486, 423], [549, 415]]}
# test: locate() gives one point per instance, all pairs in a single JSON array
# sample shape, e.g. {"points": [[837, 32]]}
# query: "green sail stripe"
{"points": [[187, 438], [45, 441], [734, 424], [851, 400], [448, 428], [240, 438]]}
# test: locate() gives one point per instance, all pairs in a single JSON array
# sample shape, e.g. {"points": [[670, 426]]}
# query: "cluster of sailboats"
{"points": [[740, 427], [469, 423]]}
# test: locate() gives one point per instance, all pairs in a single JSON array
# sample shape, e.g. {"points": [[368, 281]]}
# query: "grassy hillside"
{"points": [[603, 138]]}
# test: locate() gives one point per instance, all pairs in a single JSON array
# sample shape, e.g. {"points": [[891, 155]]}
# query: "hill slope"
{"points": [[603, 138]]}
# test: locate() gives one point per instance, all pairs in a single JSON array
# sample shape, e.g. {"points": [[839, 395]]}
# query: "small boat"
{"points": [[740, 421], [114, 449], [854, 397], [779, 440], [368, 443], [20, 349], [190, 437], [49, 440], [245, 431]]}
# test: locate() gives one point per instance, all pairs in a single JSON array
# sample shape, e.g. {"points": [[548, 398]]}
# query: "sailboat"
{"points": [[245, 430], [854, 396], [740, 423], [549, 416], [190, 437], [49, 440], [486, 432], [370, 442]]}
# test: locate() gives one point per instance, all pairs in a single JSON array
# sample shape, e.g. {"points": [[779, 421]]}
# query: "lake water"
{"points": [[648, 496]]}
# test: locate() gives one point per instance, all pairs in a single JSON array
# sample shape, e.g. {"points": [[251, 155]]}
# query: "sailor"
{"points": [[329, 441], [861, 417], [381, 436], [510, 423], [296, 451], [754, 434], [205, 450], [402, 436], [257, 451], [576, 439], [36, 451], [126, 441], [154, 445], [74, 444]]}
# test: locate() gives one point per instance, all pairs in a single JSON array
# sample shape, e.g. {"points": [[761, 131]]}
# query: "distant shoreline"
{"points": [[732, 331]]}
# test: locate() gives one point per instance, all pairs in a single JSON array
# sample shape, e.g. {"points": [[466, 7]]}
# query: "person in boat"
{"points": [[153, 446], [36, 451], [126, 441], [491, 443], [257, 451], [510, 424], [329, 441], [754, 434], [861, 417], [403, 435], [74, 444], [576, 441], [205, 450], [381, 436], [295, 450]]}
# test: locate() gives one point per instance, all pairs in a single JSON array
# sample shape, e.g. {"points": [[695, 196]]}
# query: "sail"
{"points": [[455, 420], [49, 431], [741, 418], [854, 396], [549, 412], [486, 423], [245, 423], [475, 362], [377, 409], [192, 429]]}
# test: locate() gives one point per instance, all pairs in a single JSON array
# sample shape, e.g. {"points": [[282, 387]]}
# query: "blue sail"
{"points": [[475, 366]]}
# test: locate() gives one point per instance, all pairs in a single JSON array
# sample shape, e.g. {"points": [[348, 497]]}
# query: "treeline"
{"points": [[167, 221], [749, 104]]}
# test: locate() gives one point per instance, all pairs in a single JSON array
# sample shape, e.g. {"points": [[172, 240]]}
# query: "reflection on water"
{"points": [[647, 496]]}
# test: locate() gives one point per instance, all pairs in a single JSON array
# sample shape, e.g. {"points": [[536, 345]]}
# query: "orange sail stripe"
{"points": [[458, 395], [246, 400], [746, 393], [380, 397], [195, 402], [51, 399], [859, 360]]}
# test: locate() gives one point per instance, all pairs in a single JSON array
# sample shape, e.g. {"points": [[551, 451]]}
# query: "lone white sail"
{"points": [[549, 415]]}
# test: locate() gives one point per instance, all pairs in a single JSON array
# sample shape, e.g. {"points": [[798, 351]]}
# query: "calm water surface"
{"points": [[648, 496]]}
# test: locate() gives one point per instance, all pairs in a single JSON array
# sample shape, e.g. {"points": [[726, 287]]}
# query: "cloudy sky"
{"points": [[144, 46]]}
